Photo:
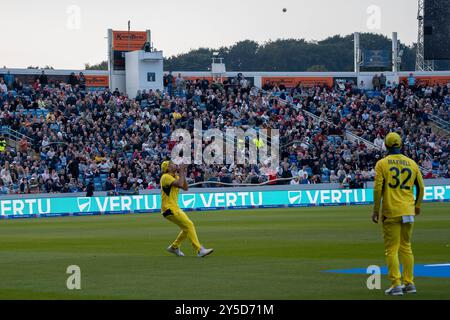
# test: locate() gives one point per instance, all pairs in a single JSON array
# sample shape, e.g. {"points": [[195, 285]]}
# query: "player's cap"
{"points": [[393, 140], [165, 166]]}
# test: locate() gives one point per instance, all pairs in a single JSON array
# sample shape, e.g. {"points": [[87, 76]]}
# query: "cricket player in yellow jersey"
{"points": [[171, 182], [395, 178]]}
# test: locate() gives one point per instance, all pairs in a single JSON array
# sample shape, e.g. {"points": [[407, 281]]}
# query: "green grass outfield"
{"points": [[260, 254]]}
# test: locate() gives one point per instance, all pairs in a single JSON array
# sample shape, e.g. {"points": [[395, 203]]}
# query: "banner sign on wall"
{"points": [[97, 81], [92, 80], [428, 80], [251, 80], [292, 82], [47, 207]]}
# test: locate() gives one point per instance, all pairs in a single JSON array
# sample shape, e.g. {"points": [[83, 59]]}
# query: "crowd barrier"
{"points": [[224, 199]]}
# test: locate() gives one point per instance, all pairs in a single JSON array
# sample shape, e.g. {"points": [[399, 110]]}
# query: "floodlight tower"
{"points": [[421, 63]]}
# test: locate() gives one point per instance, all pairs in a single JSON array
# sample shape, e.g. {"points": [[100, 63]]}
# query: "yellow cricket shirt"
{"points": [[169, 193], [395, 178]]}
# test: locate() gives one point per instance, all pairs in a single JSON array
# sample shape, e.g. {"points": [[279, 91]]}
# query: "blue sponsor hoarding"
{"points": [[44, 207]]}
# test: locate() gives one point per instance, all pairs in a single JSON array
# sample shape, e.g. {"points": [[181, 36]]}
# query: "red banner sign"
{"points": [[292, 82]]}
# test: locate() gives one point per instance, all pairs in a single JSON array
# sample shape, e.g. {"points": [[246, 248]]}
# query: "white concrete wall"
{"points": [[118, 81], [138, 65], [367, 78], [132, 73]]}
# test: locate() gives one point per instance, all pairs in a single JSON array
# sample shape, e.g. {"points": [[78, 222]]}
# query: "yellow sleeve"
{"points": [[378, 187], [167, 180], [420, 188]]}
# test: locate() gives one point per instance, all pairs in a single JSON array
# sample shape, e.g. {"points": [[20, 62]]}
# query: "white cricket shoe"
{"points": [[408, 288], [176, 252], [204, 252], [394, 291]]}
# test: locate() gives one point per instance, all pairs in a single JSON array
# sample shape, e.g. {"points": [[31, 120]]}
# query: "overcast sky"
{"points": [[48, 32]]}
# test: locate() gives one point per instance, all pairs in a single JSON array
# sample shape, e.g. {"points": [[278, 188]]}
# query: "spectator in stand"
{"points": [[73, 80], [73, 168], [90, 189], [303, 175], [170, 84], [3, 189], [295, 181], [179, 82], [165, 84], [43, 79], [333, 177], [346, 182], [18, 86], [411, 81], [282, 87], [361, 86], [267, 86], [33, 185], [2, 144], [37, 86], [9, 80], [3, 87], [376, 82], [6, 177], [23, 145], [382, 81], [132, 134], [82, 81], [245, 84], [379, 142]]}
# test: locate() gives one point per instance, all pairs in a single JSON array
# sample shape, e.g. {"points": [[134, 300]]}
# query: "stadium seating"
{"points": [[314, 126]]}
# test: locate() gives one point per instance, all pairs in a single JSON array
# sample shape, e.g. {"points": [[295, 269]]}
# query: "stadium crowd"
{"points": [[76, 140]]}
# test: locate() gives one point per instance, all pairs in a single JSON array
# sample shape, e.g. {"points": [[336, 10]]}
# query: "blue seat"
{"points": [[98, 187]]}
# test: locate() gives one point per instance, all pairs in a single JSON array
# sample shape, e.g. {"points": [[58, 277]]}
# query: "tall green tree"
{"points": [[99, 66], [331, 54]]}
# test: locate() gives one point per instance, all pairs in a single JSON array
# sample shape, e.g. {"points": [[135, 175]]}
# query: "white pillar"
{"points": [[110, 57], [394, 52], [357, 52]]}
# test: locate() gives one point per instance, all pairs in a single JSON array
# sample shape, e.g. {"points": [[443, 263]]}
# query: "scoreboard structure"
{"points": [[436, 29], [119, 43]]}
